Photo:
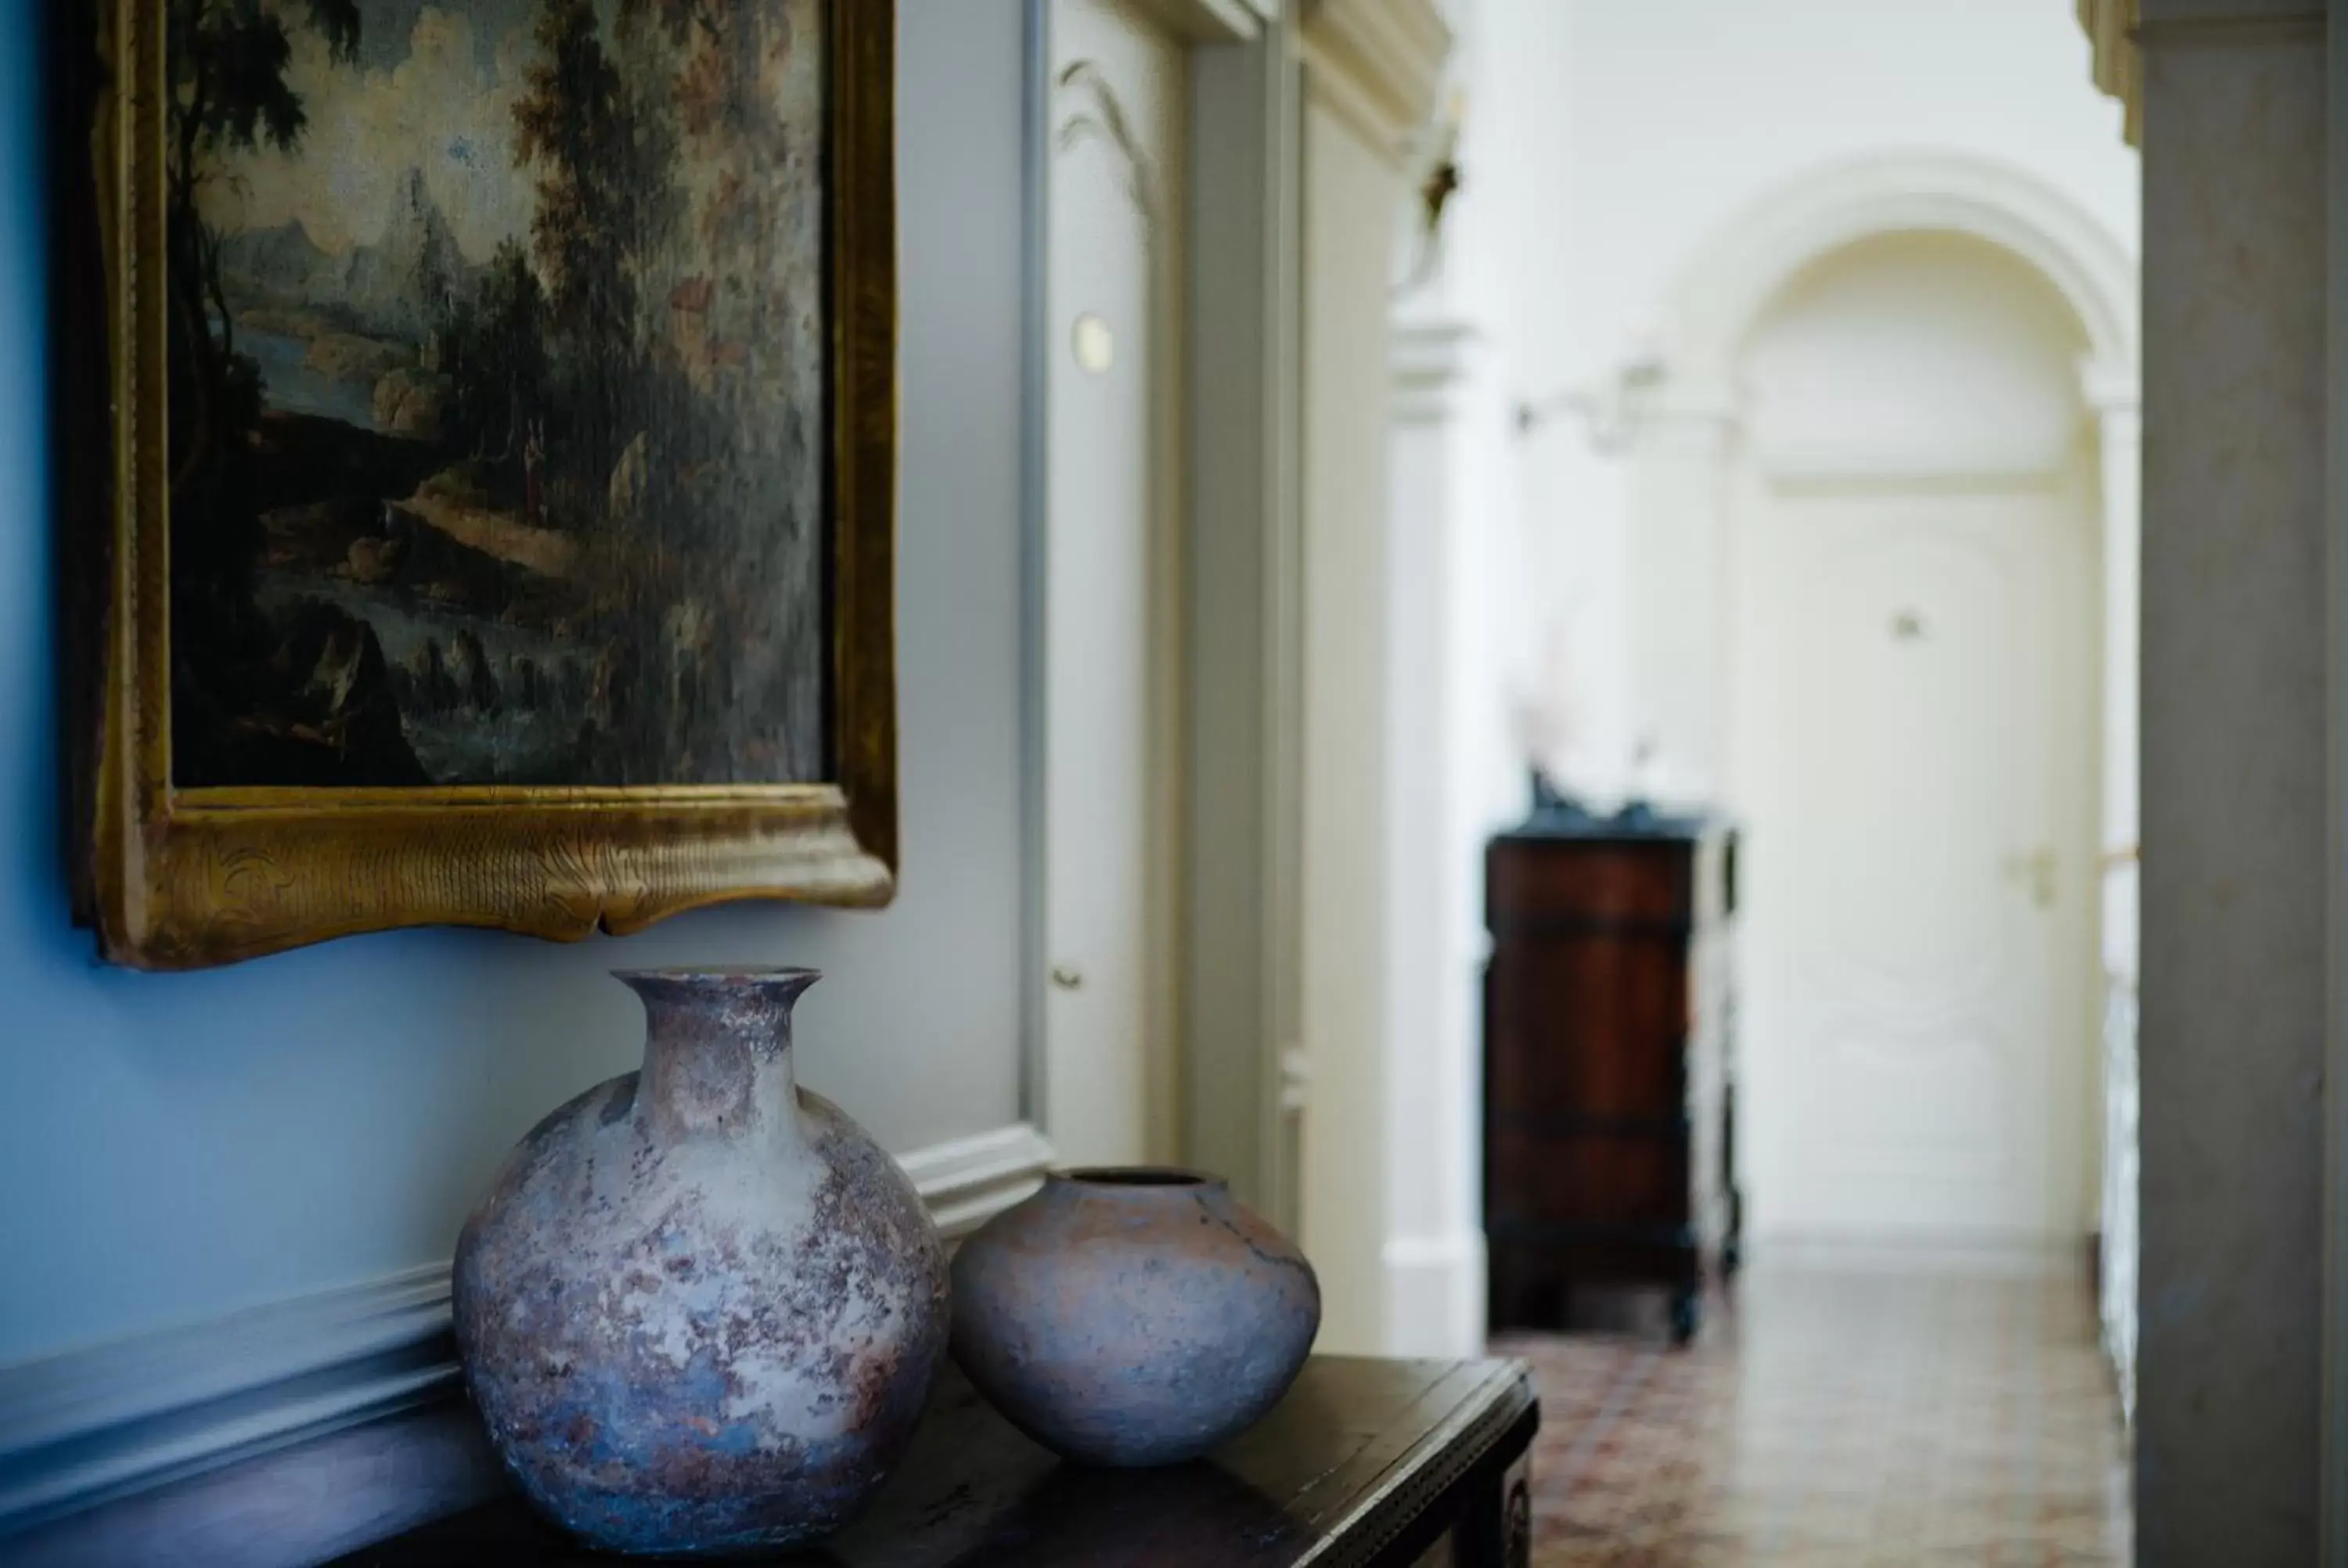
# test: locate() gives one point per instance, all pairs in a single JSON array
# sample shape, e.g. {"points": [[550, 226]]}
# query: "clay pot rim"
{"points": [[1137, 1180]]}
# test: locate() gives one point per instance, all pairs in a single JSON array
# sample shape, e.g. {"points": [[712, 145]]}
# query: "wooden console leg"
{"points": [[1687, 1313]]}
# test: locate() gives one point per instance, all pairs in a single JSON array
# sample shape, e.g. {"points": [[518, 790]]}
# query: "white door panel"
{"points": [[1919, 783], [1118, 130]]}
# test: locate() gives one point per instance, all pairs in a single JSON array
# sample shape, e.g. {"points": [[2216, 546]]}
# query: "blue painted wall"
{"points": [[174, 1147]]}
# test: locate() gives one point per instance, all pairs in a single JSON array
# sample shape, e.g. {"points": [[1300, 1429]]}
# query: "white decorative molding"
{"points": [[2109, 388], [113, 1419], [970, 1181], [1826, 474], [1378, 62], [101, 1422], [1211, 21], [2117, 68], [1742, 269], [1101, 116], [1432, 361], [1679, 571]]}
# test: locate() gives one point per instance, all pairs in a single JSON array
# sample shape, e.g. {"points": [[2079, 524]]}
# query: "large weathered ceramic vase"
{"points": [[1132, 1317], [700, 1309]]}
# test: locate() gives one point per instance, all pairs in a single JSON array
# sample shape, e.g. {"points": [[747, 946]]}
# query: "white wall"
{"points": [[176, 1147], [1509, 236], [1684, 111], [1614, 141]]}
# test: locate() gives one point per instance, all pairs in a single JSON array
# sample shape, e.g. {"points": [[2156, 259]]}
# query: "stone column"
{"points": [[2234, 792]]}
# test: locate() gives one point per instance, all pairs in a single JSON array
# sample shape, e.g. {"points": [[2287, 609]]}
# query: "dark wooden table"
{"points": [[1370, 1463]]}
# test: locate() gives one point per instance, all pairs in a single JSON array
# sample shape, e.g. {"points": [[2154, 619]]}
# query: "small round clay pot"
{"points": [[1132, 1316]]}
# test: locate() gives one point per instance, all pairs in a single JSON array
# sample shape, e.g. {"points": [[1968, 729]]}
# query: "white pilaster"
{"points": [[1371, 70], [1452, 777], [2112, 397]]}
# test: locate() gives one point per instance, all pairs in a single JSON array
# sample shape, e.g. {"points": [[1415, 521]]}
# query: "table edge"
{"points": [[1466, 1437]]}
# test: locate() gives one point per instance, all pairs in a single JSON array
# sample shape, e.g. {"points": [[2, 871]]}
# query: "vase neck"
{"points": [[717, 1053]]}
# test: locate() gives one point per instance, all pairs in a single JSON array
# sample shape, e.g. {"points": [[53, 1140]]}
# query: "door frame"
{"points": [[1080, 98], [1223, 933], [1239, 988]]}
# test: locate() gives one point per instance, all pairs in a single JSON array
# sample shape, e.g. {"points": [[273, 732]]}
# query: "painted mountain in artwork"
{"points": [[393, 288]]}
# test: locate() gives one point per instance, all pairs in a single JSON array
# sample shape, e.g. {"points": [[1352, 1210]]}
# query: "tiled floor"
{"points": [[1857, 1417]]}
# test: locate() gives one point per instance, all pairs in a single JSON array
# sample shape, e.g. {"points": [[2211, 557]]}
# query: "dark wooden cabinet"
{"points": [[1609, 1064]]}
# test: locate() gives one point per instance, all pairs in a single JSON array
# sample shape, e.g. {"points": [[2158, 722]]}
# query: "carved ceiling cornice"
{"points": [[1379, 62], [2111, 26]]}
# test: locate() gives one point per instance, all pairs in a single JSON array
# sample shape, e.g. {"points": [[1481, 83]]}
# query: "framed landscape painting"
{"points": [[498, 517]]}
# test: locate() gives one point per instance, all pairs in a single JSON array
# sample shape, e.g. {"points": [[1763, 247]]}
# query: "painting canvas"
{"points": [[498, 391], [498, 523]]}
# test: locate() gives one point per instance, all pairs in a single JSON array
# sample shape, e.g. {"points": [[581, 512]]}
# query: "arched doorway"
{"points": [[1913, 749], [1883, 581]]}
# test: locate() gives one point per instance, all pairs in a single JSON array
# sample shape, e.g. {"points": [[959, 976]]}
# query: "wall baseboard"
{"points": [[2001, 1254], [1435, 1295], [97, 1425], [971, 1179]]}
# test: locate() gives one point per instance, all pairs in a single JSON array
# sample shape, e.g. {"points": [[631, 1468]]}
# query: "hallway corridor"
{"points": [[1857, 1417]]}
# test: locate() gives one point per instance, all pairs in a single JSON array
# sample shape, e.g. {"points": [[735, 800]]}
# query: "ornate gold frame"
{"points": [[182, 878]]}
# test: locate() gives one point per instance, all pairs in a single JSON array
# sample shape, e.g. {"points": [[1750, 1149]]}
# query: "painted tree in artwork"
{"points": [[229, 94], [744, 80], [494, 353], [728, 103], [601, 191]]}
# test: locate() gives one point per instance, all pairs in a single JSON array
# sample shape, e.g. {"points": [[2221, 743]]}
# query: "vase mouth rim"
{"points": [[1137, 1179], [721, 976]]}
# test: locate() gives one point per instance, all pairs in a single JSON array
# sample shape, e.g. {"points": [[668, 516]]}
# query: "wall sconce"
{"points": [[1440, 183], [1614, 410]]}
